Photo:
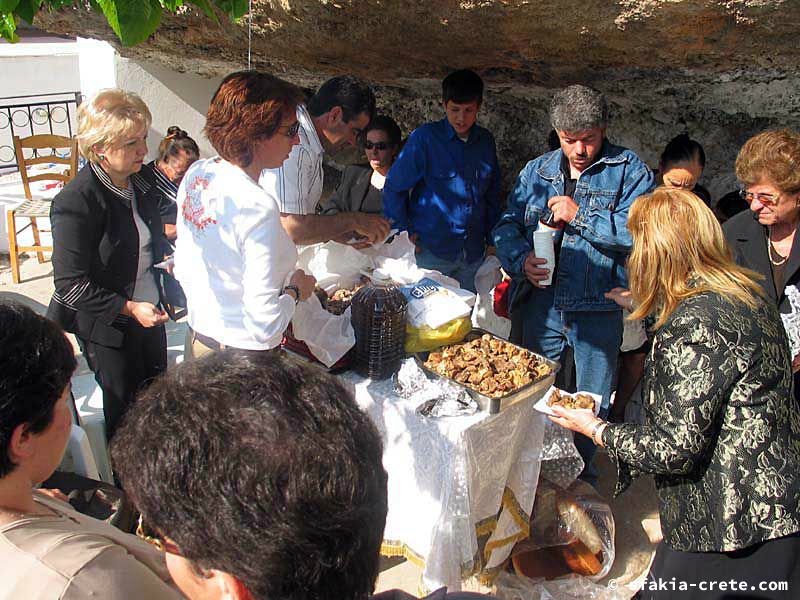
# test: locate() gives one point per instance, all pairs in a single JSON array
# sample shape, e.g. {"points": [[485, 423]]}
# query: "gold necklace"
{"points": [[771, 249]]}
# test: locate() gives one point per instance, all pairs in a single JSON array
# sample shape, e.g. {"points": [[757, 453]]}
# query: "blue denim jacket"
{"points": [[596, 243]]}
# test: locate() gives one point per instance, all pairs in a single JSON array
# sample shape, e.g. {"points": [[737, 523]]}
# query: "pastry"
{"points": [[488, 365]]}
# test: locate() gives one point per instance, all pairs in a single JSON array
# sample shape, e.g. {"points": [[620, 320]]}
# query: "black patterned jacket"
{"points": [[722, 429]]}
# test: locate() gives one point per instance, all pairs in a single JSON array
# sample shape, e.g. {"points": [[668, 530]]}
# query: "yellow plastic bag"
{"points": [[422, 339]]}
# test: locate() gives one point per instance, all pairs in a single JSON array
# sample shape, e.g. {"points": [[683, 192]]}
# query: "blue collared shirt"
{"points": [[455, 190]]}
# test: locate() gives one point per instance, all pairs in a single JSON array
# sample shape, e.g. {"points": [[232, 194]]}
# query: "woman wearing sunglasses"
{"points": [[233, 258], [361, 188], [763, 238]]}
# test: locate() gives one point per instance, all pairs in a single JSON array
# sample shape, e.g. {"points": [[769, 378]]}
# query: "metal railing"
{"points": [[31, 115]]}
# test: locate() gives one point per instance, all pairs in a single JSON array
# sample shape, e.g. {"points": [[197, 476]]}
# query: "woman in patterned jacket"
{"points": [[722, 430]]}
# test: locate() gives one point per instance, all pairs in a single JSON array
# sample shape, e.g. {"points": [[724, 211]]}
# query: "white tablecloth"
{"points": [[461, 489]]}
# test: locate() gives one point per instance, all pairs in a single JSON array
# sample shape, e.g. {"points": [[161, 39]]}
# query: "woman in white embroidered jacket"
{"points": [[233, 258]]}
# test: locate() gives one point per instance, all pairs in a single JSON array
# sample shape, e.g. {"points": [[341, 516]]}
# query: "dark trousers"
{"points": [[766, 571], [124, 371]]}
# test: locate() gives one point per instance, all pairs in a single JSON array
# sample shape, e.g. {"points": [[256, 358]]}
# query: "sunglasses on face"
{"points": [[771, 199], [377, 145], [290, 130]]}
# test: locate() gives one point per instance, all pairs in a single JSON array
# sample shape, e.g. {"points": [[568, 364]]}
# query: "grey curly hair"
{"points": [[577, 108]]}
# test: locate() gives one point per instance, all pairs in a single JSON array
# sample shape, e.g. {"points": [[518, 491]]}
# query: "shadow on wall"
{"points": [[193, 90], [173, 98]]}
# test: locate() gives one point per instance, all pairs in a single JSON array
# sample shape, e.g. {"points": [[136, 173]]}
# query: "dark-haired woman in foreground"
{"points": [[721, 432], [48, 550]]}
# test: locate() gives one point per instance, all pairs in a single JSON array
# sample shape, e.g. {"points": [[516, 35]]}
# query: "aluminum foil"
{"points": [[438, 398]]}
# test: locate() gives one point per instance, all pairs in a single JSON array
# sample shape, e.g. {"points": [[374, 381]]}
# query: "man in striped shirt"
{"points": [[333, 118]]}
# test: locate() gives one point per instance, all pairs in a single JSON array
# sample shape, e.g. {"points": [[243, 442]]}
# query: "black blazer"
{"points": [[96, 254], [351, 195], [748, 241]]}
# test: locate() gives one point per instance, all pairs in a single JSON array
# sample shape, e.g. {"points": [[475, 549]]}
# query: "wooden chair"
{"points": [[31, 208]]}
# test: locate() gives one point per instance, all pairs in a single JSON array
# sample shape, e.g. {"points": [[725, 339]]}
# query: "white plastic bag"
{"points": [[513, 587], [483, 315], [634, 334], [334, 263], [431, 304], [327, 336]]}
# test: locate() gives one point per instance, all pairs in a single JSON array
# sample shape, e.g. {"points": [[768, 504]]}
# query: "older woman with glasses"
{"points": [[764, 238], [233, 258], [361, 188], [107, 235]]}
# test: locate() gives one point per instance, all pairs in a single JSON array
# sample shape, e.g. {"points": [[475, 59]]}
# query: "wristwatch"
{"points": [[296, 291]]}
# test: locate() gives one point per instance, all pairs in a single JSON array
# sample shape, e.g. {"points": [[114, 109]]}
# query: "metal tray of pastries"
{"points": [[496, 373]]}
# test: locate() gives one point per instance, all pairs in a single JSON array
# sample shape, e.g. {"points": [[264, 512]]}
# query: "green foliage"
{"points": [[132, 20], [235, 9], [27, 8]]}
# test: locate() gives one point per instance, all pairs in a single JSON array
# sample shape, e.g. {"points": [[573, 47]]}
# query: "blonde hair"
{"points": [[110, 116], [679, 251], [774, 156]]}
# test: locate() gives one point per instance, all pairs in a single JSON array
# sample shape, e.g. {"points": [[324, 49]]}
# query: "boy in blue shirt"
{"points": [[451, 169]]}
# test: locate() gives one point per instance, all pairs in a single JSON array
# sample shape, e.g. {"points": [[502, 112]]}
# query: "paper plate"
{"points": [[543, 407]]}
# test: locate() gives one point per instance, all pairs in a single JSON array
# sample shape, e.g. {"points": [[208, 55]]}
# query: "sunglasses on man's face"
{"points": [[377, 145]]}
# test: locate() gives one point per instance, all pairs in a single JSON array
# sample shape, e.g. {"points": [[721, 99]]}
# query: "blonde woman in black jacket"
{"points": [[107, 234], [722, 430]]}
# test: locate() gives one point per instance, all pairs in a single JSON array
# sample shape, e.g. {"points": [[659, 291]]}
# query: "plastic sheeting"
{"points": [[511, 587], [483, 315], [461, 489], [328, 336]]}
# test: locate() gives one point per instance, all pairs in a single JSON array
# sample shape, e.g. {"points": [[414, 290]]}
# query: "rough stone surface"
{"points": [[721, 70]]}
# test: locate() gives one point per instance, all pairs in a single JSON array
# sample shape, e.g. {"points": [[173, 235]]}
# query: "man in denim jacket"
{"points": [[586, 188]]}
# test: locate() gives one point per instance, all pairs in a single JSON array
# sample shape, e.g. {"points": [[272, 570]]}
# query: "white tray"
{"points": [[543, 407]]}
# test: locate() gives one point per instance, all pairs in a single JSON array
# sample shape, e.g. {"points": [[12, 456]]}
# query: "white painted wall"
{"points": [[28, 69], [173, 99], [90, 65], [97, 60]]}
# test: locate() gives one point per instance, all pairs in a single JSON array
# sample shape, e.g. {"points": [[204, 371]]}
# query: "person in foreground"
{"points": [[721, 432], [233, 258], [107, 235], [48, 550], [262, 477]]}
